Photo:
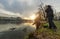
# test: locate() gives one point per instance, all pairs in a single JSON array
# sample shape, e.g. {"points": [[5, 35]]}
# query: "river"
{"points": [[19, 32]]}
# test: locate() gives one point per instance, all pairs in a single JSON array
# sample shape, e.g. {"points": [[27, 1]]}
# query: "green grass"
{"points": [[57, 23], [43, 33], [47, 32]]}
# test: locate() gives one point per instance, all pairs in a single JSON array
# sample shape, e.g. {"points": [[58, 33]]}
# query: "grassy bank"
{"points": [[45, 33], [57, 23]]}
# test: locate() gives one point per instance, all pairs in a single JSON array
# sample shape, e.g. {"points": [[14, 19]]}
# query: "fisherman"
{"points": [[50, 16]]}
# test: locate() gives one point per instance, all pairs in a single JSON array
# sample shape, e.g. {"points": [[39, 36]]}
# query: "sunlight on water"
{"points": [[30, 24], [4, 27]]}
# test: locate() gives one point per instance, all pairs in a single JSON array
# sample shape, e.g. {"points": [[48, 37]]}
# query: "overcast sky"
{"points": [[24, 7]]}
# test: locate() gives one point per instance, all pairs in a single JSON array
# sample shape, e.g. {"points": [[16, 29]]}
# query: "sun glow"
{"points": [[33, 17]]}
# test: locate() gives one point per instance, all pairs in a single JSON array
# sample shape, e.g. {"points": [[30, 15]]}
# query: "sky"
{"points": [[24, 7]]}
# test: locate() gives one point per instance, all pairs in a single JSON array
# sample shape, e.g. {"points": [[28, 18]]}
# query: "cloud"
{"points": [[9, 14], [22, 6], [1, 6], [10, 1], [19, 6]]}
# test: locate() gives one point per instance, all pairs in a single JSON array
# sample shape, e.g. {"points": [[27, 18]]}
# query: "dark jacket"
{"points": [[49, 12]]}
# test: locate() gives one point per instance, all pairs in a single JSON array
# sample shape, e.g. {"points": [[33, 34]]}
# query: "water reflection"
{"points": [[4, 27], [19, 33]]}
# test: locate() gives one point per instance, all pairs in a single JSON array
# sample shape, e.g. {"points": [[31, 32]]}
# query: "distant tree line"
{"points": [[13, 20]]}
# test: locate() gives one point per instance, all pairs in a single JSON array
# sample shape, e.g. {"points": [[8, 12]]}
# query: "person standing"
{"points": [[50, 16]]}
